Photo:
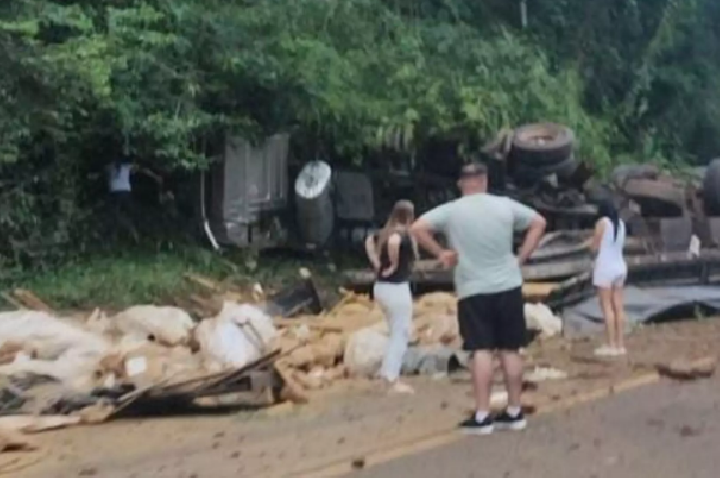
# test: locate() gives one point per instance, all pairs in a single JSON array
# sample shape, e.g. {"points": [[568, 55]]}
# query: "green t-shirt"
{"points": [[480, 229]]}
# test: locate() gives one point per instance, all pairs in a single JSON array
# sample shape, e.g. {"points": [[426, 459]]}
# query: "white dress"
{"points": [[610, 267]]}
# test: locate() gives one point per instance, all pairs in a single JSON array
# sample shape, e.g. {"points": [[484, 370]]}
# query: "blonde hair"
{"points": [[400, 219]]}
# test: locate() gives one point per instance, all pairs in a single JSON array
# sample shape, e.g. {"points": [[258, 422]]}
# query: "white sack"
{"points": [[364, 351], [61, 349], [238, 335], [170, 326], [540, 317]]}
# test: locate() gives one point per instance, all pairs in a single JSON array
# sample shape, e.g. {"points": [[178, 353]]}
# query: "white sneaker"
{"points": [[619, 351], [605, 351], [403, 388]]}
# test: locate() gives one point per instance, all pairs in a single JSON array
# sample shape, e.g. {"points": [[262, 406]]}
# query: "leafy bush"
{"points": [[158, 81]]}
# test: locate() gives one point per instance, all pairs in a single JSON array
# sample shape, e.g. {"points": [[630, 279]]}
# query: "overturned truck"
{"points": [[673, 222]]}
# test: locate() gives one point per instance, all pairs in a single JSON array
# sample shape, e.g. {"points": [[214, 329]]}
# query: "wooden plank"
{"points": [[539, 272], [12, 301], [292, 390], [442, 277], [31, 301], [204, 282], [538, 289], [318, 325], [567, 251]]}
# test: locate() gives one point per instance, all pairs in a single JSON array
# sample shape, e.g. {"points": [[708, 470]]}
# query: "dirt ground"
{"points": [[353, 422]]}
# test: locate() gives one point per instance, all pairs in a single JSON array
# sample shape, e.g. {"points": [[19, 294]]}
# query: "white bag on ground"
{"points": [[52, 347], [540, 317], [169, 326], [238, 335], [47, 336], [364, 351]]}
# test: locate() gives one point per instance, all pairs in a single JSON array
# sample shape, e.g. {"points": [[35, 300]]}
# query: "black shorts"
{"points": [[493, 321]]}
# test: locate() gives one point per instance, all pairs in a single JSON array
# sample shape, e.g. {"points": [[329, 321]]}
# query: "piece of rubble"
{"points": [[358, 463], [328, 350], [8, 351], [313, 380], [292, 391], [541, 374], [35, 424], [280, 409], [94, 414], [683, 369], [11, 440]]}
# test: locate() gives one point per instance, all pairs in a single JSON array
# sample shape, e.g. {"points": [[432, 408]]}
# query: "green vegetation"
{"points": [[123, 279], [158, 81], [144, 277]]}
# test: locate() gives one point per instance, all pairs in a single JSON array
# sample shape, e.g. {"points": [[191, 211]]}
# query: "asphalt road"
{"points": [[666, 430]]}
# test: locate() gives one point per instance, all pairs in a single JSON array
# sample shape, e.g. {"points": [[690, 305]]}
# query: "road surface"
{"points": [[666, 430]]}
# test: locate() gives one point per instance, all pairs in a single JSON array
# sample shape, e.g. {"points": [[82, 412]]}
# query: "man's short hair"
{"points": [[473, 169]]}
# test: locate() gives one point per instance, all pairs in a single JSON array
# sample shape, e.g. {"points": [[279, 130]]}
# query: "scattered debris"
{"points": [[686, 431], [541, 374], [57, 371], [358, 463], [36, 424], [683, 369], [11, 440]]}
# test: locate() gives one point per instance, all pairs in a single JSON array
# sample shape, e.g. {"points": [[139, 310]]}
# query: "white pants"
{"points": [[396, 302]]}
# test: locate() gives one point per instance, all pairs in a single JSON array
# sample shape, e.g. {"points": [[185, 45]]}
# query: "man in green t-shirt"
{"points": [[479, 228]]}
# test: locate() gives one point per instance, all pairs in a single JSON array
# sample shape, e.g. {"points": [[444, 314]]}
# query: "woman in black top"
{"points": [[392, 252]]}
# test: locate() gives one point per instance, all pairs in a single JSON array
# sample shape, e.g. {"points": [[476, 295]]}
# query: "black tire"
{"points": [[566, 169], [531, 173], [542, 144], [711, 188]]}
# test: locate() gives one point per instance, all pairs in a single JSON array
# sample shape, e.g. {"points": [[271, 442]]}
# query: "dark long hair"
{"points": [[606, 208]]}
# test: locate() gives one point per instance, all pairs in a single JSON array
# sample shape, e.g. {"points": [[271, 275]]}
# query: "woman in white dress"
{"points": [[609, 273]]}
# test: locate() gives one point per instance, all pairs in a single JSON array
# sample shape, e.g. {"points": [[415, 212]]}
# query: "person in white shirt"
{"points": [[609, 274], [120, 175], [120, 188]]}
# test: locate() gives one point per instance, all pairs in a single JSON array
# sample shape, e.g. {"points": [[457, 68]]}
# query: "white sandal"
{"points": [[605, 351], [402, 388]]}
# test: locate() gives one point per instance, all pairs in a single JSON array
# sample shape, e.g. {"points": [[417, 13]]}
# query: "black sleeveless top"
{"points": [[405, 261]]}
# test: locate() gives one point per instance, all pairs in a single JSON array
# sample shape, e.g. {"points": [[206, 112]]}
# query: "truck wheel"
{"points": [[531, 173], [542, 144]]}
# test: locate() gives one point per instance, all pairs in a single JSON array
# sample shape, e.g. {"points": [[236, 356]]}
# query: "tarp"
{"points": [[644, 305]]}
